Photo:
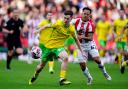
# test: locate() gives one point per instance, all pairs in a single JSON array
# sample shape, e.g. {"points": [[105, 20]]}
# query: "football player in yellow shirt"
{"points": [[125, 51], [102, 30], [62, 31], [118, 25], [43, 37]]}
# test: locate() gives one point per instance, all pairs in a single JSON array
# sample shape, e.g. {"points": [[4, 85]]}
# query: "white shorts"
{"points": [[90, 47]]}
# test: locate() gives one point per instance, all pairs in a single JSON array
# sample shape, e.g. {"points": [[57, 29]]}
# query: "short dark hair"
{"points": [[87, 8], [68, 12]]}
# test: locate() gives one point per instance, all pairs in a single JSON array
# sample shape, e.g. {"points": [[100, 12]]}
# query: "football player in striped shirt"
{"points": [[85, 30]]}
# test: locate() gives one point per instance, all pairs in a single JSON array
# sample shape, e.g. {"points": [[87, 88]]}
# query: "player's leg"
{"points": [[103, 69], [38, 70], [9, 54], [123, 65], [124, 60], [51, 58], [40, 66], [64, 56], [9, 59], [19, 51], [44, 59], [18, 46], [86, 72], [51, 66], [102, 49], [119, 54], [82, 63], [79, 58], [95, 54]]}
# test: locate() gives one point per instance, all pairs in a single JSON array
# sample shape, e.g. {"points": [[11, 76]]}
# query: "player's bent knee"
{"points": [[64, 55], [19, 50]]}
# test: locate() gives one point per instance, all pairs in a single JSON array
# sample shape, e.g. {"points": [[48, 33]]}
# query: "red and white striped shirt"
{"points": [[83, 27]]}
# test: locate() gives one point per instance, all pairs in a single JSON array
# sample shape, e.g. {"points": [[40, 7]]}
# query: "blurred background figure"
{"points": [[13, 27], [118, 25], [124, 61], [32, 24], [103, 28]]}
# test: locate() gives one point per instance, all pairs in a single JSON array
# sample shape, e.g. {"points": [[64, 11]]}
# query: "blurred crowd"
{"points": [[33, 11]]}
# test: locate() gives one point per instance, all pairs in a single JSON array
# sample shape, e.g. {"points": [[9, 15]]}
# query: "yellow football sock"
{"points": [[119, 59], [51, 64], [62, 74]]}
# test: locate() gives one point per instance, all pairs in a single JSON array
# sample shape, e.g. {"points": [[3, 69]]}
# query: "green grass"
{"points": [[21, 72]]}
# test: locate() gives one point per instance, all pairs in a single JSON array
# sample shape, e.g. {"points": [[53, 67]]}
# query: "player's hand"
{"points": [[11, 32]]}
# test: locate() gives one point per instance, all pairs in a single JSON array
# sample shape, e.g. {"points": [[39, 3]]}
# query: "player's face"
{"points": [[15, 15], [86, 14], [49, 16], [67, 19]]}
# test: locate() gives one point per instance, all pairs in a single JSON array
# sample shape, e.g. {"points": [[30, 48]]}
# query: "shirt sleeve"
{"points": [[8, 25], [73, 31], [73, 21]]}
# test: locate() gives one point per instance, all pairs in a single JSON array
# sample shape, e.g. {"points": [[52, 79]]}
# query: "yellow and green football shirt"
{"points": [[60, 34], [118, 25], [44, 34], [103, 29]]}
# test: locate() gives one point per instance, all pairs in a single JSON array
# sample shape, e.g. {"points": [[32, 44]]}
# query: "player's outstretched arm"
{"points": [[78, 43], [42, 28], [7, 31]]}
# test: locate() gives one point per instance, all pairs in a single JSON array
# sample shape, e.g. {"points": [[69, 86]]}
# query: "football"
{"points": [[36, 52]]}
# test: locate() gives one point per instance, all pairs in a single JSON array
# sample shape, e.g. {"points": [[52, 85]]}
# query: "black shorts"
{"points": [[11, 43]]}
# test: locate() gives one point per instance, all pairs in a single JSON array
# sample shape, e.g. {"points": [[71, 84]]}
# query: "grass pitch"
{"points": [[21, 72]]}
